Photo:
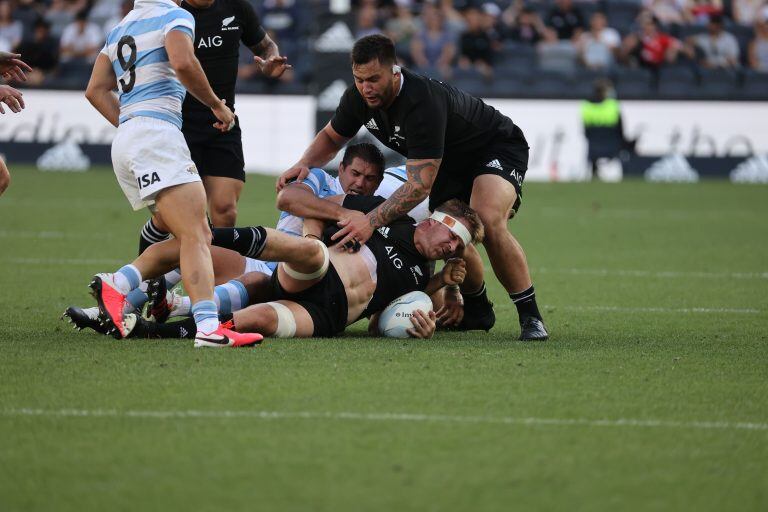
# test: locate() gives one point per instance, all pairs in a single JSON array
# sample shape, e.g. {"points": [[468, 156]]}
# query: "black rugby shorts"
{"points": [[215, 153]]}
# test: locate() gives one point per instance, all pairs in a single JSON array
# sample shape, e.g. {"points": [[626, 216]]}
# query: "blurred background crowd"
{"points": [[713, 49]]}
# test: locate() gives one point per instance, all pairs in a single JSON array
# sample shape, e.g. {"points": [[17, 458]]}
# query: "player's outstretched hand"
{"points": [[355, 230], [226, 119], [12, 98], [297, 172], [272, 67], [452, 311], [454, 272], [12, 67], [423, 324]]}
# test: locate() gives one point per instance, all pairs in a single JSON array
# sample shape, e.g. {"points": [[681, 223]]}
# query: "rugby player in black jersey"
{"points": [[318, 292], [456, 147], [220, 26]]}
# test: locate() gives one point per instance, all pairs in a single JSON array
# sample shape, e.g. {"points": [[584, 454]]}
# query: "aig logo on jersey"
{"points": [[226, 24], [148, 179], [209, 42]]}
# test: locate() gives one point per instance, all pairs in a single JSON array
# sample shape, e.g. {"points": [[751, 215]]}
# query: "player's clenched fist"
{"points": [[225, 116], [454, 272]]}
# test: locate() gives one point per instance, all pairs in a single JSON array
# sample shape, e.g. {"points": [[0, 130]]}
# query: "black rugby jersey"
{"points": [[428, 119], [218, 32], [400, 267]]}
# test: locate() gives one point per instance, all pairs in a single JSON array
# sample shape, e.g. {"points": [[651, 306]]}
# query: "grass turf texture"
{"points": [[620, 271]]}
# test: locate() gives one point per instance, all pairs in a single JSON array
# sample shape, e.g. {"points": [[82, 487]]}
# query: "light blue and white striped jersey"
{"points": [[147, 84], [322, 185]]}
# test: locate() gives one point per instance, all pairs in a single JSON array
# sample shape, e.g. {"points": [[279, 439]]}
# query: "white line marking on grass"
{"points": [[64, 261], [657, 310], [376, 417], [664, 274]]}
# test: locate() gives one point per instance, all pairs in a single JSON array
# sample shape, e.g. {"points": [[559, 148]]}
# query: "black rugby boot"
{"points": [[532, 329], [478, 313]]}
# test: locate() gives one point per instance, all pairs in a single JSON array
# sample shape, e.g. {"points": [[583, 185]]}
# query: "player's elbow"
{"points": [[284, 200]]}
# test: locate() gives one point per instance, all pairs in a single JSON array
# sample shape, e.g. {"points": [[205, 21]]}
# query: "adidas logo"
{"points": [[384, 231], [753, 170], [236, 236], [338, 38], [183, 332], [672, 168], [371, 125], [65, 156], [495, 164], [328, 100]]}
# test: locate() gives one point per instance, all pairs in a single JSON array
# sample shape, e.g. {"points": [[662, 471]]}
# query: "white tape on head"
{"points": [[454, 225], [300, 276], [286, 323]]}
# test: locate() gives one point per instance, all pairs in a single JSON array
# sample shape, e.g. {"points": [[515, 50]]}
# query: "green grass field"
{"points": [[652, 393]]}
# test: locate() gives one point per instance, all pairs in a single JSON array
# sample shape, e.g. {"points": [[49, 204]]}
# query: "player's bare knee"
{"points": [[260, 318], [224, 214], [314, 262]]}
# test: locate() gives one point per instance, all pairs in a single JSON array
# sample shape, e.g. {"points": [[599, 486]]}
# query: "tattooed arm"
{"points": [[268, 59], [421, 175]]}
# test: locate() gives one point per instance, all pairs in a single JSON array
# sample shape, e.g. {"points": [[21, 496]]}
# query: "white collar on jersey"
{"points": [[397, 69]]}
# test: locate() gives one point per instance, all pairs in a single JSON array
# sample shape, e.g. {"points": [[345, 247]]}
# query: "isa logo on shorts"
{"points": [[148, 179]]}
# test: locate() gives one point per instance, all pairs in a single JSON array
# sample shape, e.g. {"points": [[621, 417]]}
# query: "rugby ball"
{"points": [[396, 317]]}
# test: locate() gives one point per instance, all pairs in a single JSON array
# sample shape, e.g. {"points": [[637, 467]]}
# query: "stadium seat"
{"points": [[621, 14], [557, 57], [677, 82], [508, 87], [755, 86], [718, 84], [515, 60], [633, 83]]}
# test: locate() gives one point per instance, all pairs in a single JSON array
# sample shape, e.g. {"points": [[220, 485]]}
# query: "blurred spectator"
{"points": [[282, 18], [401, 26], [454, 21], [435, 46], [650, 47], [103, 10], [125, 7], [747, 12], [61, 14], [365, 22], [81, 40], [668, 12], [41, 53], [598, 47], [699, 12], [11, 31], [28, 12], [525, 26], [476, 46], [566, 20], [758, 48], [716, 48]]}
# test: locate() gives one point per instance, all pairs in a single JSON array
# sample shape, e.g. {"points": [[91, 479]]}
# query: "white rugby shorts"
{"points": [[149, 155], [252, 265]]}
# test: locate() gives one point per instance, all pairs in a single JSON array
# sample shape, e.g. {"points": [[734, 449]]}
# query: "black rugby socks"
{"points": [[249, 242], [525, 302], [151, 234]]}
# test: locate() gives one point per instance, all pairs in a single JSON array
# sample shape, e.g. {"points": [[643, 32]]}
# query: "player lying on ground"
{"points": [[317, 292], [360, 172]]}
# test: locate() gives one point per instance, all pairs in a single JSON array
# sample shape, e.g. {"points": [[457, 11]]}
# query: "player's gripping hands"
{"points": [[225, 116], [12, 98]]}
